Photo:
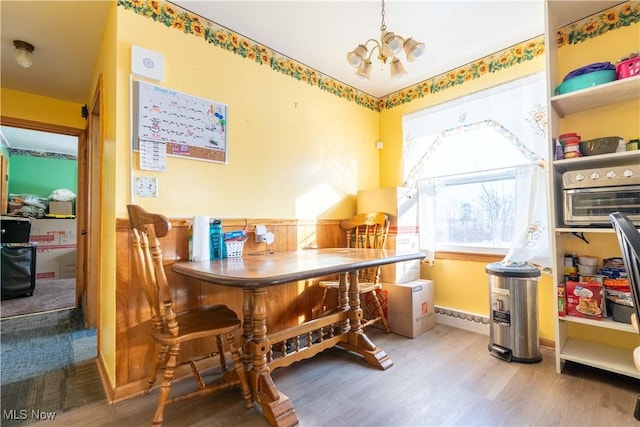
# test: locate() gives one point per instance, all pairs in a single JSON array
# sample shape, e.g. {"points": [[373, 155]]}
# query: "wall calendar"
{"points": [[188, 125]]}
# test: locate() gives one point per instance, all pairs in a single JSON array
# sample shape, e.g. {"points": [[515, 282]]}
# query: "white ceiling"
{"points": [[67, 34], [36, 140], [320, 33]]}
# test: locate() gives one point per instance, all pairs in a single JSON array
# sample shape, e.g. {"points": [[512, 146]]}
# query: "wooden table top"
{"points": [[254, 271]]}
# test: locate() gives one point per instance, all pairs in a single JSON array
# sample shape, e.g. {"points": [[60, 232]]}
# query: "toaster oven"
{"points": [[589, 196]]}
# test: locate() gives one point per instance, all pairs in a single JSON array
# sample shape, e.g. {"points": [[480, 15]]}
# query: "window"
{"points": [[475, 210], [476, 162]]}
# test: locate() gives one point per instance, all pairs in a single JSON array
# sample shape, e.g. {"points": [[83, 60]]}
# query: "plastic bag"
{"points": [[62, 195]]}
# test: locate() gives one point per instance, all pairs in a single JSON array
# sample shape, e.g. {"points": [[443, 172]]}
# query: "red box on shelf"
{"points": [[584, 299]]}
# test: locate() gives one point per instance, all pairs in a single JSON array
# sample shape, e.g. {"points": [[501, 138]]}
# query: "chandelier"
{"points": [[389, 46]]}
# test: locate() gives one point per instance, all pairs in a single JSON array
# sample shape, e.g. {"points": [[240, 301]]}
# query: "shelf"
{"points": [[613, 359], [602, 95], [572, 110], [622, 158], [604, 323], [604, 230]]}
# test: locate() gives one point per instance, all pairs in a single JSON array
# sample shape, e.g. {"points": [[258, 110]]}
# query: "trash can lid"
{"points": [[512, 270]]}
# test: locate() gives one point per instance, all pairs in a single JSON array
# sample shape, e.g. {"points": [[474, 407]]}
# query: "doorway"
{"points": [[33, 146]]}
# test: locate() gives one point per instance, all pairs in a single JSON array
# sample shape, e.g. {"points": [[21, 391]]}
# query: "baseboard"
{"points": [[104, 379], [462, 320], [473, 322]]}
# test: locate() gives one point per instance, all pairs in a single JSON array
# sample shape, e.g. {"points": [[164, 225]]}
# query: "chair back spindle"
{"points": [[367, 231]]}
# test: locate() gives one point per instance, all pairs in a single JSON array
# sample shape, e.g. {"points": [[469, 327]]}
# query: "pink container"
{"points": [[628, 68]]}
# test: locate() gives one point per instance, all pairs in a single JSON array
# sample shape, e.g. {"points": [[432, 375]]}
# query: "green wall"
{"points": [[41, 175]]}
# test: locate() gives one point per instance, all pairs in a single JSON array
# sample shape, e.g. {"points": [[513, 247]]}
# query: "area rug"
{"points": [[48, 365], [48, 295]]}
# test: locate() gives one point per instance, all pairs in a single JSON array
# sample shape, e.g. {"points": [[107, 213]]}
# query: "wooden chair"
{"points": [[369, 231], [170, 329], [629, 240]]}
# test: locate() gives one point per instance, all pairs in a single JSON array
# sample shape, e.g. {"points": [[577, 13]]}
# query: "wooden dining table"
{"points": [[340, 328]]}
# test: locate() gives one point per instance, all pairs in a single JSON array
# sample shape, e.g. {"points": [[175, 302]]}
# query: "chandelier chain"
{"points": [[383, 25]]}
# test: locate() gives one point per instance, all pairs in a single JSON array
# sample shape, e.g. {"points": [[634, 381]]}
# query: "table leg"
{"points": [[247, 326], [358, 341], [276, 407], [343, 301]]}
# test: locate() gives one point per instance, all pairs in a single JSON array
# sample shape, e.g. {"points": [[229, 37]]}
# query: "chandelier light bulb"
{"points": [[413, 49], [364, 71], [356, 56], [397, 69]]}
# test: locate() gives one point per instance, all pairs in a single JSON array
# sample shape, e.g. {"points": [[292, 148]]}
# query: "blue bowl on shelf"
{"points": [[586, 80]]}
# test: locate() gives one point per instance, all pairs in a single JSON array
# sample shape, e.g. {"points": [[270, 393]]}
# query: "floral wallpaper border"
{"points": [[47, 154], [182, 20]]}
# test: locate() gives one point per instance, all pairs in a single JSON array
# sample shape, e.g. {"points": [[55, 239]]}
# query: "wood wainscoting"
{"points": [[288, 304]]}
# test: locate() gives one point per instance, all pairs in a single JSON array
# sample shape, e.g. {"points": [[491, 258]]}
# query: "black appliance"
{"points": [[17, 258], [14, 229]]}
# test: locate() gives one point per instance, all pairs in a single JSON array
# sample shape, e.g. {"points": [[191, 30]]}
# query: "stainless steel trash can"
{"points": [[513, 330]]}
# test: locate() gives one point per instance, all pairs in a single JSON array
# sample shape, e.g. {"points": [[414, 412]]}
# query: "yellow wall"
{"points": [[294, 151], [106, 67], [28, 106]]}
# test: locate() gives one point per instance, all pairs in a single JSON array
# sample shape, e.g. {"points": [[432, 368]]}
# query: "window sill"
{"points": [[466, 256]]}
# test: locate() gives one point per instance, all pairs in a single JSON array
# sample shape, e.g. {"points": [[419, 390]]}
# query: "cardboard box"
{"points": [[61, 208], [401, 272], [584, 299], [55, 263], [53, 232], [411, 307], [56, 248], [399, 203]]}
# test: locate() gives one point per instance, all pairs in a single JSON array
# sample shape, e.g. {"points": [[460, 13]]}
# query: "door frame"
{"points": [[90, 227], [81, 214]]}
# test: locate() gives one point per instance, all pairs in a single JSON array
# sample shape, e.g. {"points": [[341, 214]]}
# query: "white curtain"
{"points": [[427, 218], [531, 240], [517, 112]]}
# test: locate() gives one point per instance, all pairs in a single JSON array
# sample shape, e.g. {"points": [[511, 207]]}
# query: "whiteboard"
{"points": [[190, 126]]}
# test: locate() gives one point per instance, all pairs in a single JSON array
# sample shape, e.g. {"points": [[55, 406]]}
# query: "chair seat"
{"points": [[200, 323], [363, 287]]}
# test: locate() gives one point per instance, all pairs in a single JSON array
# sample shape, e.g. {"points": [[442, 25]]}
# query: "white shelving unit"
{"points": [[572, 346], [614, 92]]}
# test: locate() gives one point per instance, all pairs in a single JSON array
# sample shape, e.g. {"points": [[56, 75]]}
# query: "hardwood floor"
{"points": [[445, 377]]}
